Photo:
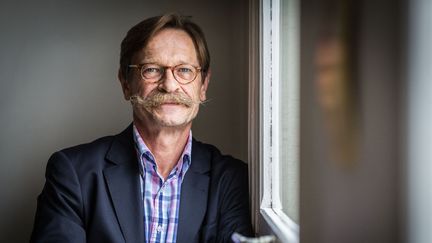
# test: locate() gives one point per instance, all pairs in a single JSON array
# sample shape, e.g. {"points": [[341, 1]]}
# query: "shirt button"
{"points": [[159, 228], [164, 185]]}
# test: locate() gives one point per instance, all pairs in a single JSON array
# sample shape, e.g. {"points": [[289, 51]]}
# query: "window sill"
{"points": [[284, 228]]}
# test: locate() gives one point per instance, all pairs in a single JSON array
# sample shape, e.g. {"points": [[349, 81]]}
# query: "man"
{"points": [[153, 182]]}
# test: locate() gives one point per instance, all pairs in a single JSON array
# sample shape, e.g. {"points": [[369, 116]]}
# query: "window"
{"points": [[274, 112], [289, 109]]}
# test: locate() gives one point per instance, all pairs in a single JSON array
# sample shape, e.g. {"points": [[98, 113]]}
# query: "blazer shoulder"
{"points": [[220, 161], [83, 158], [95, 146], [93, 156]]}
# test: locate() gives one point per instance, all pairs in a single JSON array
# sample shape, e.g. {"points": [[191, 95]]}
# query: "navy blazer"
{"points": [[92, 194]]}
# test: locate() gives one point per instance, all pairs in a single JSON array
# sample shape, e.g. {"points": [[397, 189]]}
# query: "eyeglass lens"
{"points": [[183, 73]]}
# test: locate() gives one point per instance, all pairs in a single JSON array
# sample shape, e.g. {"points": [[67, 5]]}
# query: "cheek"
{"points": [[143, 89], [194, 91]]}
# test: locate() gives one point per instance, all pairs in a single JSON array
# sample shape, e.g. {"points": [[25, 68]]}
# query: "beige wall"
{"points": [[58, 67]]}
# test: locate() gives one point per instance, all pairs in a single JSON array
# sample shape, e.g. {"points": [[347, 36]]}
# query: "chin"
{"points": [[172, 122], [166, 119], [174, 119]]}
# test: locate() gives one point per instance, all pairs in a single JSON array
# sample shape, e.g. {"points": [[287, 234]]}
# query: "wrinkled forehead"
{"points": [[169, 45]]}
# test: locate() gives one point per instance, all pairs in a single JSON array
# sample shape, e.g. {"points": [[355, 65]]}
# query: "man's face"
{"points": [[169, 47]]}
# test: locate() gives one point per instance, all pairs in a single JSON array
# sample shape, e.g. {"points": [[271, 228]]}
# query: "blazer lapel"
{"points": [[122, 178], [194, 194]]}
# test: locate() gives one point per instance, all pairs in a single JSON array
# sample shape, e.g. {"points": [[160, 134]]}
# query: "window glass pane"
{"points": [[289, 109]]}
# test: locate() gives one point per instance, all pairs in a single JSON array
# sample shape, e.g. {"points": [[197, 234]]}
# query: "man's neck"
{"points": [[165, 143]]}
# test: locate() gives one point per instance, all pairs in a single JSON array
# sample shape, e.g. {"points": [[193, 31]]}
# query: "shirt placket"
{"points": [[160, 215]]}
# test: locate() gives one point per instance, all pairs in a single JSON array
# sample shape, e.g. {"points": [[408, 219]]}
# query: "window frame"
{"points": [[264, 78]]}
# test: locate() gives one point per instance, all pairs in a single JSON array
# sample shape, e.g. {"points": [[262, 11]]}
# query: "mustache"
{"points": [[157, 98]]}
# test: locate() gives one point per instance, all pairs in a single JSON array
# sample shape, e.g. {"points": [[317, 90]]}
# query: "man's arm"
{"points": [[59, 211]]}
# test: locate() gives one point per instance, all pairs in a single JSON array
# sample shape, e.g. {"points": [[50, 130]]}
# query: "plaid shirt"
{"points": [[161, 199]]}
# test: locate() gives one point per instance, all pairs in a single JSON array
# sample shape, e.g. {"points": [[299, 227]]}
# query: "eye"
{"points": [[151, 70], [184, 70]]}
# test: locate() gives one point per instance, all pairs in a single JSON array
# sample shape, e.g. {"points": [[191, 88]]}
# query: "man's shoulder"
{"points": [[82, 157], [89, 155], [220, 162], [98, 146]]}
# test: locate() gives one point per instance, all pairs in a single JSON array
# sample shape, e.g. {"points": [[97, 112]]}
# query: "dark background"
{"points": [[58, 74]]}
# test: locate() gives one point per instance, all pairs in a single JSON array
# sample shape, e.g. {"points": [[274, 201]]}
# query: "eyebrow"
{"points": [[154, 61], [150, 59]]}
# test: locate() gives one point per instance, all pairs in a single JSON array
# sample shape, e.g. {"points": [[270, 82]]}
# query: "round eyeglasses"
{"points": [[153, 73]]}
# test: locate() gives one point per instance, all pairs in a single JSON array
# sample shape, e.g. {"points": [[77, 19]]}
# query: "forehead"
{"points": [[168, 46]]}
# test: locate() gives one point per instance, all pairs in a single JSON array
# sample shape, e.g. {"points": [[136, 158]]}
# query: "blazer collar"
{"points": [[122, 178], [194, 194], [122, 150], [123, 182], [200, 157]]}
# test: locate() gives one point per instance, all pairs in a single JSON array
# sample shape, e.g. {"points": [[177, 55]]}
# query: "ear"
{"points": [[204, 86], [125, 85]]}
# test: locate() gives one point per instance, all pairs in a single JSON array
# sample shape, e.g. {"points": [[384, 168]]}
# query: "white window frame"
{"points": [[264, 101]]}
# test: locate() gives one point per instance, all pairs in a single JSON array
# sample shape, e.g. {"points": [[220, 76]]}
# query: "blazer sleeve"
{"points": [[235, 210], [59, 213]]}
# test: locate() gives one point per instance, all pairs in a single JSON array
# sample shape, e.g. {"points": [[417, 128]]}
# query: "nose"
{"points": [[168, 83]]}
